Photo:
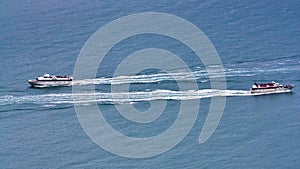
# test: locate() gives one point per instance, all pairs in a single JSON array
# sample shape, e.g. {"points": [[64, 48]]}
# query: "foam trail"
{"points": [[122, 98], [198, 74], [152, 78]]}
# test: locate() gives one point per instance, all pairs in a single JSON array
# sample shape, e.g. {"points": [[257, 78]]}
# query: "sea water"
{"points": [[257, 41]]}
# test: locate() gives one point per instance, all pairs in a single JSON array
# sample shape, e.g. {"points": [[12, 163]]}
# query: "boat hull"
{"points": [[273, 90], [37, 83]]}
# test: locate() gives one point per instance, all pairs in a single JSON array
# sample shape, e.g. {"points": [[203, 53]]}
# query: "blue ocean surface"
{"points": [[257, 41]]}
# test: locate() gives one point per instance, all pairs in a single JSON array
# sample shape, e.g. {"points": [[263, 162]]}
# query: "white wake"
{"points": [[122, 98]]}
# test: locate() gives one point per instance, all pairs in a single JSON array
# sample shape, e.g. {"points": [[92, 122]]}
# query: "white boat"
{"points": [[271, 87], [48, 80]]}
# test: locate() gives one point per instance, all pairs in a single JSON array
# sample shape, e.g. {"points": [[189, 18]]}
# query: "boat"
{"points": [[271, 87], [48, 80]]}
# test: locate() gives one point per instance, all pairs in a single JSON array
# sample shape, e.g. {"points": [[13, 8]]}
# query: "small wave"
{"points": [[266, 59]]}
